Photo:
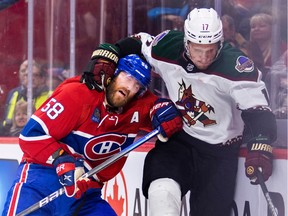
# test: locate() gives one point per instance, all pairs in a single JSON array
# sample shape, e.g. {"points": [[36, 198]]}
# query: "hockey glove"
{"points": [[69, 170], [165, 115], [101, 67], [85, 184], [259, 156]]}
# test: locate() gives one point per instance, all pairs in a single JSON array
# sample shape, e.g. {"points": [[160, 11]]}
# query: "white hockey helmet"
{"points": [[203, 26]]}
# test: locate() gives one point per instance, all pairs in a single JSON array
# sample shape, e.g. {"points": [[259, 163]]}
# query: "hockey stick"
{"points": [[91, 172], [267, 196]]}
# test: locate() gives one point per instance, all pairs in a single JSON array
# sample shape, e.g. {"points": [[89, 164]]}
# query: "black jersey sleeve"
{"points": [[129, 45]]}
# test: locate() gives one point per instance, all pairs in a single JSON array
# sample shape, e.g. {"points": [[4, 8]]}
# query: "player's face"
{"points": [[122, 89], [202, 55]]}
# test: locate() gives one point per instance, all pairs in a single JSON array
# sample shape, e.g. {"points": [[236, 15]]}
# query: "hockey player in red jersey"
{"points": [[224, 103], [77, 129]]}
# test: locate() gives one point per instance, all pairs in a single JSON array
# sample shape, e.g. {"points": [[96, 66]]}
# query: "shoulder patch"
{"points": [[244, 64]]}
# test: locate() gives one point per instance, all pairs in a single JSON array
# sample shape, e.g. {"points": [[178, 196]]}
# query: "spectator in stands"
{"points": [[260, 49], [19, 118], [57, 75], [277, 84], [243, 10], [230, 34], [282, 99], [40, 91]]}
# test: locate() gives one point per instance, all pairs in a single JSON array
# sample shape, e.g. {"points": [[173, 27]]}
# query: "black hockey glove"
{"points": [[101, 67], [259, 158]]}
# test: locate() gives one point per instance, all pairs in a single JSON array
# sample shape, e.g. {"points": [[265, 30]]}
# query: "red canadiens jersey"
{"points": [[76, 119]]}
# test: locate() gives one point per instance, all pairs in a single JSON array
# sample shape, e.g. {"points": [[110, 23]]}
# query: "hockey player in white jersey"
{"points": [[223, 103]]}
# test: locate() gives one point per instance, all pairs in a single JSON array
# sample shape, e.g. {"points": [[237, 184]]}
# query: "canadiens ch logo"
{"points": [[104, 146], [191, 108]]}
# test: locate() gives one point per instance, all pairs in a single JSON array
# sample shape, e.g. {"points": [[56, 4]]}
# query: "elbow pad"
{"points": [[259, 122]]}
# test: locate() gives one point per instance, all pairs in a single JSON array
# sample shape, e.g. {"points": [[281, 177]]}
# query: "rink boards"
{"points": [[125, 195]]}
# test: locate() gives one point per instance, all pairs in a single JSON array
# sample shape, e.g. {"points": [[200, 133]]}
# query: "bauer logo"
{"points": [[115, 193]]}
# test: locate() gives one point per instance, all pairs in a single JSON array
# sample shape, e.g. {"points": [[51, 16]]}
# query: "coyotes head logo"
{"points": [[191, 108]]}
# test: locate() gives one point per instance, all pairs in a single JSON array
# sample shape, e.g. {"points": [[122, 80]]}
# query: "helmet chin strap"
{"points": [[220, 47]]}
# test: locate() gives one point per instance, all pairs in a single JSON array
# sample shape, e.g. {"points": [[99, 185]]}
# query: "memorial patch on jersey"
{"points": [[104, 146], [244, 64], [96, 116], [159, 37]]}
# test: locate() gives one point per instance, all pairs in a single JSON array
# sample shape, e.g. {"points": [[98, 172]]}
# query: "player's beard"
{"points": [[117, 97]]}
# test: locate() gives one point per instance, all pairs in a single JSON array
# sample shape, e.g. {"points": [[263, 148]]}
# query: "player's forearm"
{"points": [[259, 121]]}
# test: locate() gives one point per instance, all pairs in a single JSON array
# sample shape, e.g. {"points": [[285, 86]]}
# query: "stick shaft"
{"points": [[91, 172], [267, 196]]}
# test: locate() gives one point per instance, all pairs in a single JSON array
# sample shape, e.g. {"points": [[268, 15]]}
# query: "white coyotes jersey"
{"points": [[210, 101]]}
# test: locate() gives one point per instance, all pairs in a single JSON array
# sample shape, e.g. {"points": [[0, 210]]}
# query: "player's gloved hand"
{"points": [[101, 67], [69, 170], [259, 157], [83, 184], [165, 114]]}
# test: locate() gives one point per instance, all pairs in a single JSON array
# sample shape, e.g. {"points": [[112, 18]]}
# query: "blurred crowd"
{"points": [[256, 27], [44, 80]]}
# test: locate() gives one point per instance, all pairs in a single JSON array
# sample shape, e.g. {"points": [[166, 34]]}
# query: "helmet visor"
{"points": [[130, 81]]}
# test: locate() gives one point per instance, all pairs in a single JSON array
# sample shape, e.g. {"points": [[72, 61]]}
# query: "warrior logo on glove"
{"points": [[105, 54], [259, 156], [100, 69]]}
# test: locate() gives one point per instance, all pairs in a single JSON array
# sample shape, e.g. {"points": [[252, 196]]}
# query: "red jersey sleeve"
{"points": [[62, 113]]}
